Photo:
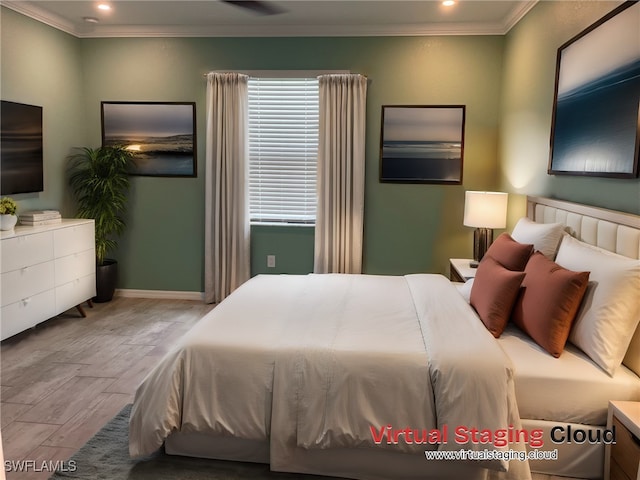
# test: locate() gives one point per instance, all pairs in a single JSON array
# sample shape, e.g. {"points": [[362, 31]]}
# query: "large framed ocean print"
{"points": [[595, 126], [161, 135]]}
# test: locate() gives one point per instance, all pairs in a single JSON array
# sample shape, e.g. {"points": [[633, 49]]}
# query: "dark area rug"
{"points": [[106, 456]]}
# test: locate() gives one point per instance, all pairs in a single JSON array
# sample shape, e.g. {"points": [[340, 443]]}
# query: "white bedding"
{"points": [[314, 361], [571, 388]]}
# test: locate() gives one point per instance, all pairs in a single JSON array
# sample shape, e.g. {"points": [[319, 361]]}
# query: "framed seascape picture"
{"points": [[162, 135], [597, 99], [422, 144]]}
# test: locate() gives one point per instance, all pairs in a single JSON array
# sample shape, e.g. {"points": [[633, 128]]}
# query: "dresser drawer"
{"points": [[26, 313], [75, 292], [626, 451], [75, 266], [26, 282], [24, 250], [73, 239]]}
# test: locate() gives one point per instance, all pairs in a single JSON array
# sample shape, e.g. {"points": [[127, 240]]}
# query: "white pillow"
{"points": [[465, 289], [610, 309], [545, 237]]}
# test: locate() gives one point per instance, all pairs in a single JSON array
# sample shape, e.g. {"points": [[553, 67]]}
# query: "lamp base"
{"points": [[482, 240]]}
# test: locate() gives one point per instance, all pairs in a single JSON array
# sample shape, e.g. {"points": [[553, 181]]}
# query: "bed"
{"points": [[359, 376]]}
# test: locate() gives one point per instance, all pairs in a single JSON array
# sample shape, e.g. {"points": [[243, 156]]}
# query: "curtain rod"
{"points": [[282, 73]]}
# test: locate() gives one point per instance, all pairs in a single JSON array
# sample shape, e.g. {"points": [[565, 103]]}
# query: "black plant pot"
{"points": [[106, 278]]}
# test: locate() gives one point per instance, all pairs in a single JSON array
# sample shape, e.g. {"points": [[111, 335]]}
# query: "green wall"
{"points": [[408, 228], [42, 66], [527, 105], [291, 245], [506, 82]]}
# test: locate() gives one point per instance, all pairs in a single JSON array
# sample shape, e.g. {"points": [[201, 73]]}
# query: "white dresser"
{"points": [[45, 270]]}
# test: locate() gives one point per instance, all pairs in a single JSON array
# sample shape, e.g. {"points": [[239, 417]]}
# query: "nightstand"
{"points": [[460, 270], [623, 458]]}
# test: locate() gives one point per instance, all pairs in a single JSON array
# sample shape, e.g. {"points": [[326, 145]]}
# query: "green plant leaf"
{"points": [[99, 180]]}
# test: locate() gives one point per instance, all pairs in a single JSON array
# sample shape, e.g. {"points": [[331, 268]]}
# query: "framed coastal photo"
{"points": [[162, 135], [597, 99], [422, 144]]}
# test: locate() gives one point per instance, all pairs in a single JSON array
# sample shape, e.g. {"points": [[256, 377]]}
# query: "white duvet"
{"points": [[321, 361]]}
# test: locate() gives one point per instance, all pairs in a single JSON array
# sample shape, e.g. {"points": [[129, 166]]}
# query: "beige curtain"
{"points": [[339, 218], [227, 263]]}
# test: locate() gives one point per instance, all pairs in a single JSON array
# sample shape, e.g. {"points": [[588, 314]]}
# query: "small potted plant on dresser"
{"points": [[8, 217], [99, 179]]}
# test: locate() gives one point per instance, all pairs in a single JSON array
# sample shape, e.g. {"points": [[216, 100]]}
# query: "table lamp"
{"points": [[484, 211]]}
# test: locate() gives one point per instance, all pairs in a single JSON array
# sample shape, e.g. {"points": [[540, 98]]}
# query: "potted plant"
{"points": [[8, 218], [99, 179]]}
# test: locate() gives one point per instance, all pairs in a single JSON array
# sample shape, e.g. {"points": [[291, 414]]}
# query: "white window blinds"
{"points": [[283, 149]]}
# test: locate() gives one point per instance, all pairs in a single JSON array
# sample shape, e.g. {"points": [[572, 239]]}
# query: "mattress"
{"points": [[571, 388]]}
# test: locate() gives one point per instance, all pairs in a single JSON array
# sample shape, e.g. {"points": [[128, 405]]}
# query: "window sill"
{"points": [[281, 224]]}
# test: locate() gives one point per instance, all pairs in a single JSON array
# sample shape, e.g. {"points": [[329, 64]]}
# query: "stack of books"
{"points": [[40, 217]]}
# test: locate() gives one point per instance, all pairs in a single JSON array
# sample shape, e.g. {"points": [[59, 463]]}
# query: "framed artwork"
{"points": [[422, 144], [163, 135], [597, 99]]}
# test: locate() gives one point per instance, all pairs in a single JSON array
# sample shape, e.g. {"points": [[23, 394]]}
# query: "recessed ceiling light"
{"points": [[104, 6], [90, 19], [448, 3]]}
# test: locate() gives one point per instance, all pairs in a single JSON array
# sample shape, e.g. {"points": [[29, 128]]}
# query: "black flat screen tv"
{"points": [[20, 148]]}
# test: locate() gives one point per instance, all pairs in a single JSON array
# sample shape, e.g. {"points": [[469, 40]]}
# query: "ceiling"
{"points": [[211, 18]]}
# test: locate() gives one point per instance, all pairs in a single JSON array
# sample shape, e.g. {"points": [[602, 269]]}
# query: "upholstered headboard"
{"points": [[613, 231]]}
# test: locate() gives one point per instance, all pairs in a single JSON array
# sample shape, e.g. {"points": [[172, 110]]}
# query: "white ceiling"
{"points": [[209, 18]]}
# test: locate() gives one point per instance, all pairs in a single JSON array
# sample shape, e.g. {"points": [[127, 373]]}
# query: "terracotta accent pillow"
{"points": [[548, 302], [494, 291], [509, 253]]}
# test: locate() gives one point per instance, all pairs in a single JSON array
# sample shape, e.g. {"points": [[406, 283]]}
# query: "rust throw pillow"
{"points": [[493, 294], [511, 254], [548, 302]]}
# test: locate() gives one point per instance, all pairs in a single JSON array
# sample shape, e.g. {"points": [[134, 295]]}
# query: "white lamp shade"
{"points": [[485, 209]]}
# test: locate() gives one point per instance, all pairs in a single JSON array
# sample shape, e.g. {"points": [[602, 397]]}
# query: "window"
{"points": [[283, 149]]}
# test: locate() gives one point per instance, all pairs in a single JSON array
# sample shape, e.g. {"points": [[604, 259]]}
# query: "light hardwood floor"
{"points": [[62, 381]]}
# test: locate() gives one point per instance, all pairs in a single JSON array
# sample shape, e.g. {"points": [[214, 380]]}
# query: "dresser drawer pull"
{"points": [[26, 301]]}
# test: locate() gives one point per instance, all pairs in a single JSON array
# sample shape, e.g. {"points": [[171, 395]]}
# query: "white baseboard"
{"points": [[166, 294]]}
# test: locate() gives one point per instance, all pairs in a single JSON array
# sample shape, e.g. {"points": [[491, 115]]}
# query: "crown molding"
{"points": [[41, 16], [294, 31], [517, 14], [148, 31]]}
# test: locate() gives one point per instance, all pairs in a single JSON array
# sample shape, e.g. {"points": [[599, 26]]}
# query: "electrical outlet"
{"points": [[271, 261]]}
